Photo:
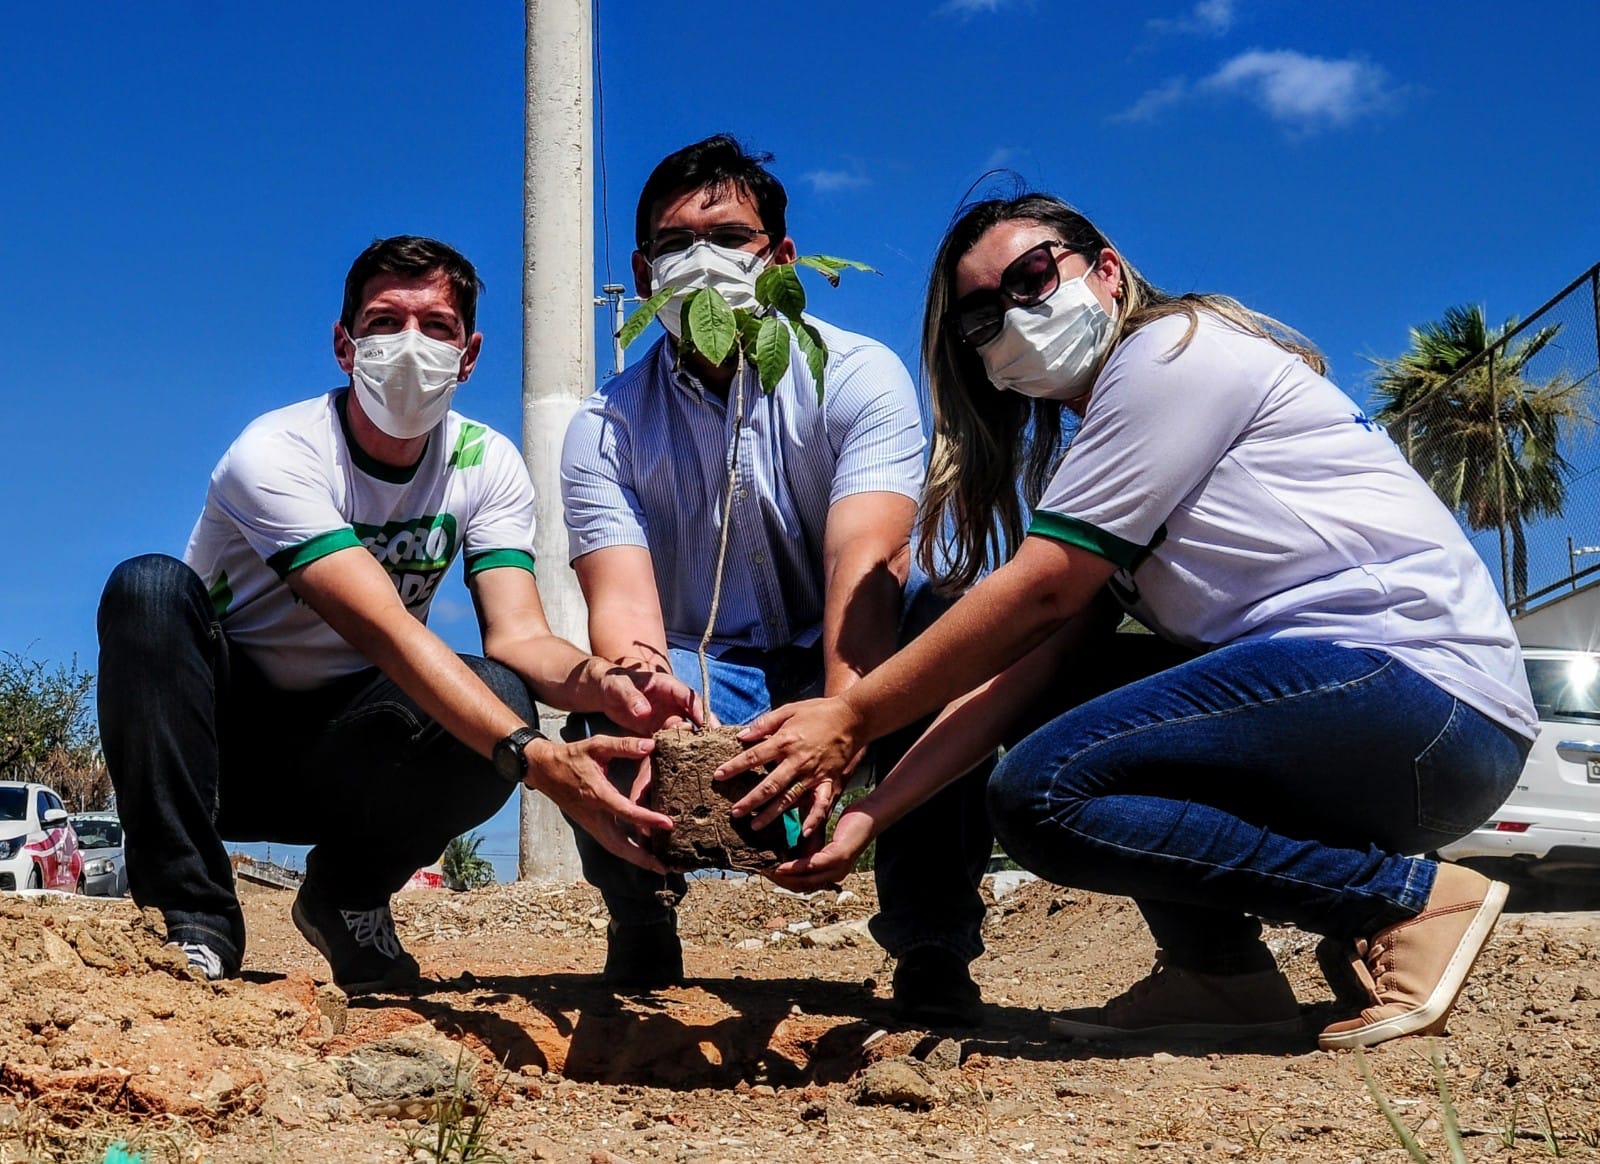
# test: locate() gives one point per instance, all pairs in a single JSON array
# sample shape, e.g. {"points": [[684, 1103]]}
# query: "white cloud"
{"points": [[831, 181], [1153, 102], [971, 7], [447, 609], [1303, 92], [1207, 17], [1214, 15]]}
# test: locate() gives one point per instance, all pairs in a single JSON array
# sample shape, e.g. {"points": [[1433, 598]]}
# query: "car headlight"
{"points": [[10, 847], [96, 868]]}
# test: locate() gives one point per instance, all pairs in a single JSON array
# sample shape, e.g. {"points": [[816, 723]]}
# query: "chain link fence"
{"points": [[1509, 438]]}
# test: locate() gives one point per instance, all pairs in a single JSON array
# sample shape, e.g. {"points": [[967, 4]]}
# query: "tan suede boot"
{"points": [[1419, 966], [1174, 1003]]}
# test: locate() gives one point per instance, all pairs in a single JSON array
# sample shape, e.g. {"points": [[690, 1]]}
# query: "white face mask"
{"points": [[405, 381], [1050, 350], [704, 264]]}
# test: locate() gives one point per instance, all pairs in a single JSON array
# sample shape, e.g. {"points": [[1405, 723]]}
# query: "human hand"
{"points": [[813, 746], [829, 865], [574, 777], [644, 700]]}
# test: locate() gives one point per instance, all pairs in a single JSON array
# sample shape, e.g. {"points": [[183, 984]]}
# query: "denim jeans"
{"points": [[927, 865], [201, 747], [1282, 778]]}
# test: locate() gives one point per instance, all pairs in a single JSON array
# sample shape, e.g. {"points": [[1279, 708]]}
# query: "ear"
{"points": [[641, 275], [784, 253], [344, 349], [1109, 267], [469, 356]]}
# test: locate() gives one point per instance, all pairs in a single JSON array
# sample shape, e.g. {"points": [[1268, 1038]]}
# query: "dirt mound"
{"points": [[782, 1047]]}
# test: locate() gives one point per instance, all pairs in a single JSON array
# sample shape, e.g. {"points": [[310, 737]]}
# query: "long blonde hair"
{"points": [[993, 451]]}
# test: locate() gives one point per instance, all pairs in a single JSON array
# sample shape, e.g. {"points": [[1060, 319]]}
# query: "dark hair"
{"points": [[408, 254], [713, 165]]}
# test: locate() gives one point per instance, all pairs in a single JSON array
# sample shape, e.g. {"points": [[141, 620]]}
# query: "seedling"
{"points": [[758, 338]]}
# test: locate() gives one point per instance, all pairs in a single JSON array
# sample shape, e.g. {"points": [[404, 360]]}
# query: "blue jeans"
{"points": [[201, 747], [1282, 778], [927, 865]]}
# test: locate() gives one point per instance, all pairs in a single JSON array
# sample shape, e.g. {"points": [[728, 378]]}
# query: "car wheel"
{"points": [[35, 878], [81, 885]]}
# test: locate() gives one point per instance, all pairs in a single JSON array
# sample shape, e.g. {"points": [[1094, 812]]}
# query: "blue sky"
{"points": [[186, 184]]}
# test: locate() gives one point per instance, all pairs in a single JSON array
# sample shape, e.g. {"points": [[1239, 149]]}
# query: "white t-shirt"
{"points": [[294, 488], [1244, 496]]}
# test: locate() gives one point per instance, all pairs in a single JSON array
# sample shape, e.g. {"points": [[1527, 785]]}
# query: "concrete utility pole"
{"points": [[557, 342]]}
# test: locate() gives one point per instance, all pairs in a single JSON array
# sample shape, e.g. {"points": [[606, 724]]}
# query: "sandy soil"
{"points": [[782, 1049]]}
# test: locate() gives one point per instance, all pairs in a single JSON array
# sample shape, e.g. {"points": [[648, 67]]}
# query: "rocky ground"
{"points": [[782, 1050]]}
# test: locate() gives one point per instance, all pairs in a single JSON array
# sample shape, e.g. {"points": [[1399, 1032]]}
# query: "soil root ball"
{"points": [[705, 836]]}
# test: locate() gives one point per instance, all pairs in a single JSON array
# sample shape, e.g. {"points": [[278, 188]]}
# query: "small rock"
{"points": [[838, 935], [897, 1083], [749, 944], [945, 1055], [334, 1005]]}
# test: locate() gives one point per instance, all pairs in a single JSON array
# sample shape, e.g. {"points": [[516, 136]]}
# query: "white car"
{"points": [[1549, 827], [38, 849]]}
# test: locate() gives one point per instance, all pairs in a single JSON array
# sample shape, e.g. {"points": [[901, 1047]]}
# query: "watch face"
{"points": [[509, 761]]}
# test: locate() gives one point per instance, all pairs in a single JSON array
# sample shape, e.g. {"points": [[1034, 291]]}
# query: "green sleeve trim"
{"points": [[493, 559], [291, 558], [221, 594], [1075, 532]]}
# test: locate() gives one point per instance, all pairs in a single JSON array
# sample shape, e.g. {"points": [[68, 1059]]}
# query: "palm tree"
{"points": [[463, 868], [1482, 435]]}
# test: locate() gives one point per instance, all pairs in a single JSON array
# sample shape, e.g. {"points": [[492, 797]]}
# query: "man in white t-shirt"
{"points": [[280, 682]]}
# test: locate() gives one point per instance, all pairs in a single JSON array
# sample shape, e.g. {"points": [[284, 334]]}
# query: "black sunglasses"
{"points": [[1028, 280], [733, 237]]}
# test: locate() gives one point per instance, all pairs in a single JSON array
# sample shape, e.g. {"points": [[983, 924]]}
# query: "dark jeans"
{"points": [[1283, 778], [928, 864], [201, 747]]}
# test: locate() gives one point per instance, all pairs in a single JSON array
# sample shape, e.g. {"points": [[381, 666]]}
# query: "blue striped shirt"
{"points": [[645, 464]]}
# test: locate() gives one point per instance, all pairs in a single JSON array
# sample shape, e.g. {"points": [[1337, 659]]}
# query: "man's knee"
{"points": [[506, 684], [145, 586]]}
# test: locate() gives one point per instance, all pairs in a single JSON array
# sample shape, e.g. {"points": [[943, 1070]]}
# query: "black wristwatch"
{"points": [[510, 760]]}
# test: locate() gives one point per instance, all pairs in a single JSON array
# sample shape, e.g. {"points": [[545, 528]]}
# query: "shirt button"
{"points": [[758, 559], [742, 494]]}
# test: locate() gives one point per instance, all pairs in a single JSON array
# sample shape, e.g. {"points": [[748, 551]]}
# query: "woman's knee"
{"points": [[1019, 801]]}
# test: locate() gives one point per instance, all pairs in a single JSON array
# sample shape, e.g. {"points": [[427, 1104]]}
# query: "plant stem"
{"points": [[727, 520]]}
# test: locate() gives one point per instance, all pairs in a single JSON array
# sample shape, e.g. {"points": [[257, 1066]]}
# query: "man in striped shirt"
{"points": [[817, 558]]}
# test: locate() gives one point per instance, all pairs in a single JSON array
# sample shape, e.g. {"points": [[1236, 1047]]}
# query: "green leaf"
{"points": [[772, 352], [815, 350], [709, 325], [780, 287], [641, 318], [749, 332], [830, 266]]}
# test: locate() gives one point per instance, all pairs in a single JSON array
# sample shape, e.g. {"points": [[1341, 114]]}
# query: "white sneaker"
{"points": [[202, 958]]}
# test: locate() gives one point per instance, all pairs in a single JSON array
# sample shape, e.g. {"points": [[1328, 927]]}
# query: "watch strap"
{"points": [[513, 749]]}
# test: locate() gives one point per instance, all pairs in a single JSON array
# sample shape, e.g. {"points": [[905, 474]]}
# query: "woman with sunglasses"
{"points": [[1332, 683]]}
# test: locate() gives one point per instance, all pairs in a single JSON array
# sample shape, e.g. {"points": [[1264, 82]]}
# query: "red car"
{"points": [[38, 847]]}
